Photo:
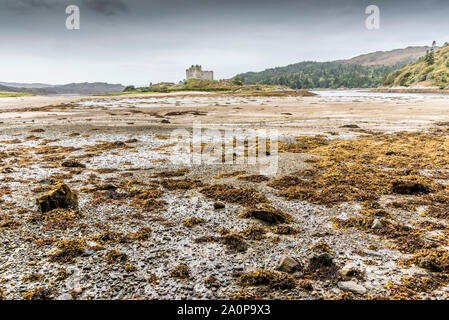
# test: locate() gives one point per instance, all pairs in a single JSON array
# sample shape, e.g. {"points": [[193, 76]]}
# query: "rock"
{"points": [[267, 215], [352, 287], [219, 205], [287, 264], [409, 187], [372, 253], [350, 126], [61, 197], [6, 170], [349, 270], [322, 260], [65, 296], [77, 290], [73, 164], [377, 224], [165, 121], [47, 182]]}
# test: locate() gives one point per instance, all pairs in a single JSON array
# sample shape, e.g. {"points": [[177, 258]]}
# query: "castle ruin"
{"points": [[195, 72]]}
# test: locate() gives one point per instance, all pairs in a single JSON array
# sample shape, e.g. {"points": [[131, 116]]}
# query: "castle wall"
{"points": [[194, 73]]}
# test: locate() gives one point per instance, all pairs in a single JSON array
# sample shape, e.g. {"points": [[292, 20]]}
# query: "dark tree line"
{"points": [[308, 75]]}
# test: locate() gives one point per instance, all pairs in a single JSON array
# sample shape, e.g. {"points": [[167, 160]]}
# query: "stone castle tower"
{"points": [[195, 72]]}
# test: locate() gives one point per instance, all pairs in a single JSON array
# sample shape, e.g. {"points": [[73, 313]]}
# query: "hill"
{"points": [[72, 88], [431, 70], [389, 58], [365, 71], [25, 85]]}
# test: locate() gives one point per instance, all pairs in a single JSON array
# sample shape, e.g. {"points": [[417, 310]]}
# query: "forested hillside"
{"points": [[307, 75]]}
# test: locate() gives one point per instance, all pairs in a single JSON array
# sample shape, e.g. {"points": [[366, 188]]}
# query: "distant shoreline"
{"points": [[409, 90]]}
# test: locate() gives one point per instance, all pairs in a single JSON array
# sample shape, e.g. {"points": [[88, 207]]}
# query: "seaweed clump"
{"points": [[411, 288], [192, 222], [234, 242], [245, 196], [254, 233], [68, 250], [116, 256], [272, 279], [39, 294], [406, 239], [436, 260], [181, 271], [363, 169]]}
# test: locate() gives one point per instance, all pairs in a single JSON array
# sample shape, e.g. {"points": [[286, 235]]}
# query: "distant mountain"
{"points": [[389, 58], [72, 88], [365, 71], [88, 88], [25, 85], [431, 70]]}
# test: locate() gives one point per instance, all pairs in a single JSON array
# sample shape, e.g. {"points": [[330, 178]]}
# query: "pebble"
{"points": [[352, 287]]}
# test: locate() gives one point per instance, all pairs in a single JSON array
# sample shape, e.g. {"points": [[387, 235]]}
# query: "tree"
{"points": [[239, 80], [429, 58], [129, 88]]}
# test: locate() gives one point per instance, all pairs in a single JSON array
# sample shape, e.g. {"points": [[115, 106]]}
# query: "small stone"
{"points": [[349, 270], [65, 296], [377, 224], [77, 290], [219, 205], [73, 164], [352, 287], [287, 264]]}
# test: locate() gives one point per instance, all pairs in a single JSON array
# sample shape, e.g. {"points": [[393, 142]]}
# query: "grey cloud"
{"points": [[27, 6], [106, 7]]}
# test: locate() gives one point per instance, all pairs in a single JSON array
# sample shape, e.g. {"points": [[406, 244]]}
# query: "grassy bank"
{"points": [[15, 94], [234, 86], [410, 90]]}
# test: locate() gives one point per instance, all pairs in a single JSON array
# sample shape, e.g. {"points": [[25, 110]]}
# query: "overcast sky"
{"points": [[143, 41]]}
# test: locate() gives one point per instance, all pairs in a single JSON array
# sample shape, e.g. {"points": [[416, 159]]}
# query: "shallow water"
{"points": [[367, 94]]}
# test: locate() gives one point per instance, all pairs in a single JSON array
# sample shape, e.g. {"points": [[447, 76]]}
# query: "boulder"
{"points": [[60, 197]]}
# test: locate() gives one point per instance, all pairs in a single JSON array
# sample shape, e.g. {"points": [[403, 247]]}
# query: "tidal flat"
{"points": [[95, 204]]}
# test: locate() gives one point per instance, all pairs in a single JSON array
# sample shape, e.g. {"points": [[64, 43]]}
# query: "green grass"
{"points": [[15, 94], [423, 72]]}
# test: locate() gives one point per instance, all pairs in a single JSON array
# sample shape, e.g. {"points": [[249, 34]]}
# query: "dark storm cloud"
{"points": [[106, 7]]}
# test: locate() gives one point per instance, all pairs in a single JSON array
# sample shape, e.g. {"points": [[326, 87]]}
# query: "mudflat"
{"points": [[357, 207]]}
